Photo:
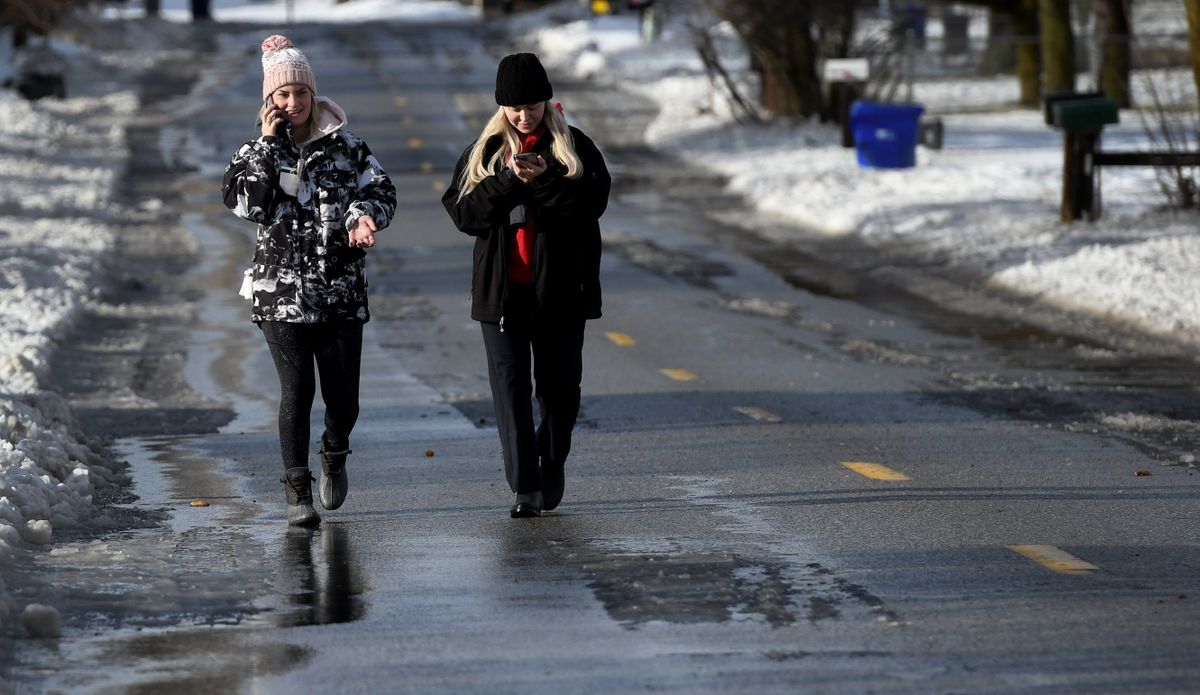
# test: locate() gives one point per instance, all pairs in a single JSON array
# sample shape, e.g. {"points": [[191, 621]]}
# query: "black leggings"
{"points": [[336, 349]]}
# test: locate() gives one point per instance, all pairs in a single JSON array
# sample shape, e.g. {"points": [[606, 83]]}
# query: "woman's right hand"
{"points": [[272, 117], [528, 170]]}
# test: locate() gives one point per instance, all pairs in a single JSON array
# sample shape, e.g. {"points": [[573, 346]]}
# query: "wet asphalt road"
{"points": [[711, 537]]}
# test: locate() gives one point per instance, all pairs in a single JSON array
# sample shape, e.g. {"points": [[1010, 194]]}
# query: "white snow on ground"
{"points": [[988, 201], [54, 179]]}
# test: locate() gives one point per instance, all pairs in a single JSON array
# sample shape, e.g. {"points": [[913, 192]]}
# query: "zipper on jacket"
{"points": [[501, 324]]}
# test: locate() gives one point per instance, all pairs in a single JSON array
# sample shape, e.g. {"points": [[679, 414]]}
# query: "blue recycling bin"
{"points": [[885, 135]]}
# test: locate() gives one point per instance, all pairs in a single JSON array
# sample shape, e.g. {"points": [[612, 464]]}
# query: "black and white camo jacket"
{"points": [[305, 270]]}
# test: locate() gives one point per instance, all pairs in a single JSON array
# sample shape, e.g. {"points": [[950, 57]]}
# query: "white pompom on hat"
{"points": [[284, 64]]}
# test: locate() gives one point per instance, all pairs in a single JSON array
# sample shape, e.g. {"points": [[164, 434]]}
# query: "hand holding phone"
{"points": [[528, 166], [274, 120]]}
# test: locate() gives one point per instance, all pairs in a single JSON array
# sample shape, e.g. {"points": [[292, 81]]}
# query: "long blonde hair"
{"points": [[563, 148]]}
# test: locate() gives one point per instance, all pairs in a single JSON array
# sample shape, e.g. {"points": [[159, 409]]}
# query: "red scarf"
{"points": [[520, 249]]}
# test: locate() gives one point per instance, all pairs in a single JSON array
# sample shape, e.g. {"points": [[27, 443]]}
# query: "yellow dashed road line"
{"points": [[621, 339], [678, 374], [415, 143], [874, 470], [401, 101], [1054, 558]]}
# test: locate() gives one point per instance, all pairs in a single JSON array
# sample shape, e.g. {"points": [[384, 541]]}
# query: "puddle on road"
{"points": [[699, 588], [319, 578], [744, 573]]}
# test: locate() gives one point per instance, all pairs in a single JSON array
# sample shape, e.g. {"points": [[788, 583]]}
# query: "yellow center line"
{"points": [[758, 413], [415, 143], [439, 186], [621, 339], [678, 374], [426, 167], [401, 101], [1054, 558], [874, 470]]}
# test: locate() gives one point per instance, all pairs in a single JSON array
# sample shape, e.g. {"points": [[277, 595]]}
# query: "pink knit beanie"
{"points": [[284, 64]]}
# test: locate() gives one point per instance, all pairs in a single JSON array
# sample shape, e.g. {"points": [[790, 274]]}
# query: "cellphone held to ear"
{"points": [[284, 128]]}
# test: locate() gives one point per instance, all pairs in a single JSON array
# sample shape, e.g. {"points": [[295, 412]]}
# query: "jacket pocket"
{"points": [[274, 246]]}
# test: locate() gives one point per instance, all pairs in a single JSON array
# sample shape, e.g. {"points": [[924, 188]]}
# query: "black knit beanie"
{"points": [[521, 80]]}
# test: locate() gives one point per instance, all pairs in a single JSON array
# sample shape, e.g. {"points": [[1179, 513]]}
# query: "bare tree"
{"points": [[1174, 131], [33, 16], [1058, 45], [1029, 54], [1112, 28], [787, 39], [1193, 16], [1020, 17]]}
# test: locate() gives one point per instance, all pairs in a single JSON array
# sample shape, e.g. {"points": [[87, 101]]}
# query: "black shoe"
{"points": [[297, 485], [552, 484], [527, 505], [334, 483]]}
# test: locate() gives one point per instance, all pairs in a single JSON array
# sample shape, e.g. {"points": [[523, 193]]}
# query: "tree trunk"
{"points": [[1193, 15], [781, 35], [1001, 55], [1112, 26], [152, 7], [1029, 58], [1058, 46]]}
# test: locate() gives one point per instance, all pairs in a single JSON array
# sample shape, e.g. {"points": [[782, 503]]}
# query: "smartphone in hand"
{"points": [[284, 129]]}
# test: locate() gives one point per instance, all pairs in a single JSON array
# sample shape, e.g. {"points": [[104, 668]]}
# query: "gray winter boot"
{"points": [[334, 483], [297, 484]]}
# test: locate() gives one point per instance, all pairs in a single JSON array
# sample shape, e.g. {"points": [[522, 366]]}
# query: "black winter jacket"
{"points": [[305, 270], [566, 213]]}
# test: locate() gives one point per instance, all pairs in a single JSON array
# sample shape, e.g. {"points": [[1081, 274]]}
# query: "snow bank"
{"points": [[59, 170]]}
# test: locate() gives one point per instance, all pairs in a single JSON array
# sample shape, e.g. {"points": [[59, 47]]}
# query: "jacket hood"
{"points": [[330, 119]]}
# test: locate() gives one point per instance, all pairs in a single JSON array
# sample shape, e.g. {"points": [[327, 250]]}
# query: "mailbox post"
{"points": [[847, 78], [1082, 117]]}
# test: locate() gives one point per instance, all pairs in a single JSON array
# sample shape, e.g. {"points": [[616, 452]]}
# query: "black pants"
{"points": [[336, 349], [557, 368]]}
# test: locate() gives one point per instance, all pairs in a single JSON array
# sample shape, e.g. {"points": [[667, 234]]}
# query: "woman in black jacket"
{"points": [[531, 190]]}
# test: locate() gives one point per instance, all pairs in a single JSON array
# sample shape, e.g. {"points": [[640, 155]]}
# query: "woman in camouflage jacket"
{"points": [[318, 196]]}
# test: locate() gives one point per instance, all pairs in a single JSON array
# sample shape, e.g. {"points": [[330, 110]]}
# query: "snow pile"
{"points": [[58, 177], [988, 202]]}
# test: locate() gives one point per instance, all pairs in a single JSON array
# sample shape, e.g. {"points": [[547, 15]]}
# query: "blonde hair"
{"points": [[563, 148]]}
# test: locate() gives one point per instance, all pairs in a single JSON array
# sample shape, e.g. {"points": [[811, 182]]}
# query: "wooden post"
{"points": [[1079, 179]]}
